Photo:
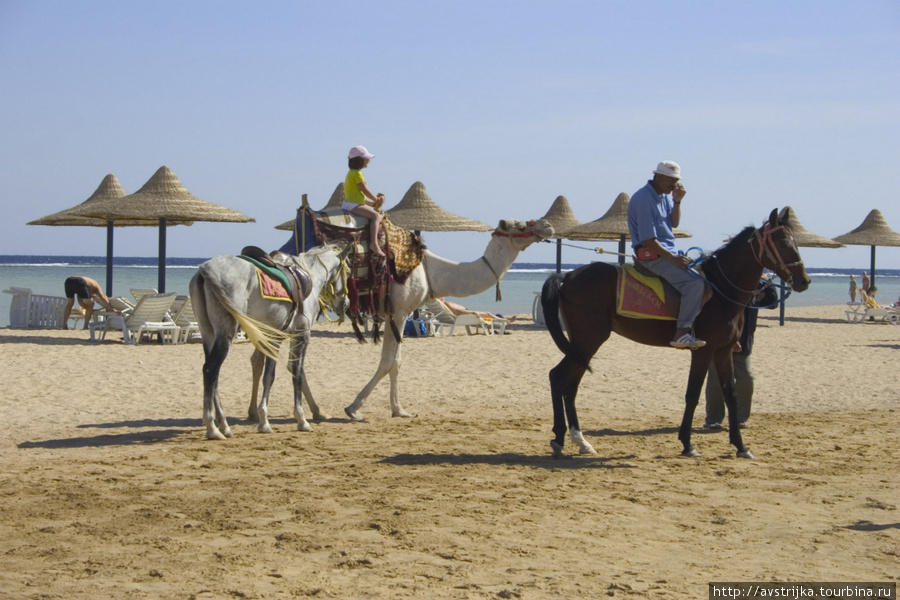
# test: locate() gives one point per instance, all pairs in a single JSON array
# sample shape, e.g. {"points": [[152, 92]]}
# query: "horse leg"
{"points": [[317, 413], [725, 364], [257, 362], [700, 361], [564, 381], [262, 409], [213, 416], [298, 353]]}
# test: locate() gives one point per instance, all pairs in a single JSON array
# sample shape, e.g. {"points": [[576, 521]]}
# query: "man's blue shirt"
{"points": [[650, 216]]}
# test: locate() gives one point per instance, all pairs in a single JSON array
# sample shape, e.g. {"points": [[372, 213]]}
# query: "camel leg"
{"points": [[390, 353], [298, 353], [257, 363], [262, 409]]}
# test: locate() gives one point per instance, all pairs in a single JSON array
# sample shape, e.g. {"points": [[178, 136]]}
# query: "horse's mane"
{"points": [[736, 242]]}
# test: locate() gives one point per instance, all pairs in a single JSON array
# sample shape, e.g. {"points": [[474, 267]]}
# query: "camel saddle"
{"points": [[295, 280], [370, 276], [644, 295]]}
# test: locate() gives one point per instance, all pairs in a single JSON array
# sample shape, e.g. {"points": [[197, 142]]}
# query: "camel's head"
{"points": [[522, 234]]}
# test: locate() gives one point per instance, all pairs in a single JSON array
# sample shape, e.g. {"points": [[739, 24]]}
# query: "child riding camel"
{"points": [[358, 199]]}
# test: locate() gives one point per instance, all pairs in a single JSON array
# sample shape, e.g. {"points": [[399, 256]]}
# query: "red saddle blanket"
{"points": [[647, 296], [271, 288]]}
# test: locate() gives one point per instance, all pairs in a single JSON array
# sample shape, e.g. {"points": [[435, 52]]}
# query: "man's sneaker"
{"points": [[687, 341], [712, 426]]}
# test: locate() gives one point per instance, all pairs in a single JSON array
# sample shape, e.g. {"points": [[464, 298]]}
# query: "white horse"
{"points": [[225, 294]]}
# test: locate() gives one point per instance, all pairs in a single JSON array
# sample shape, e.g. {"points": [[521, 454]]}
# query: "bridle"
{"points": [[521, 234], [767, 246]]}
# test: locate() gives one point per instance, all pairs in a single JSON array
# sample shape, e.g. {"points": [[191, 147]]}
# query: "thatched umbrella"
{"points": [[417, 211], [874, 231], [561, 217], [336, 201], [109, 188], [165, 199], [611, 226]]}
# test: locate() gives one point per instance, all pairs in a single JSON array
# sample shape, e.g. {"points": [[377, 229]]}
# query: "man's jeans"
{"points": [[688, 283]]}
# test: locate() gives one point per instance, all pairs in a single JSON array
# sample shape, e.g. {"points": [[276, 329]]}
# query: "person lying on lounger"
{"points": [[459, 309]]}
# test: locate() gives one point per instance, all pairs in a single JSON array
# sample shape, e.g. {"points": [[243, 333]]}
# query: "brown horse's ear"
{"points": [[783, 215], [773, 218]]}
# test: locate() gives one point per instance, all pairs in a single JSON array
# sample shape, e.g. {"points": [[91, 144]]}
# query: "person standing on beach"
{"points": [[765, 296], [358, 199], [87, 291], [852, 288], [865, 282], [652, 218]]}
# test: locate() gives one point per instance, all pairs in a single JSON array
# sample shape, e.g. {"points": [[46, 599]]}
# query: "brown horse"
{"points": [[586, 299]]}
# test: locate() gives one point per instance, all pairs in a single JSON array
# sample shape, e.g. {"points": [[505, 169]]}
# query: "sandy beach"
{"points": [[109, 489]]}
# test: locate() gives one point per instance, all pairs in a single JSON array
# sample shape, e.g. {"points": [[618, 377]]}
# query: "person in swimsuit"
{"points": [[87, 290]]}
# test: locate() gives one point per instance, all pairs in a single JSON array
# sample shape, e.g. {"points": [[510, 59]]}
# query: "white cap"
{"points": [[360, 151], [669, 169]]}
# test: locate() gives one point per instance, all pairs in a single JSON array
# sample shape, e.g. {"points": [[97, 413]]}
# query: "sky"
{"points": [[497, 106]]}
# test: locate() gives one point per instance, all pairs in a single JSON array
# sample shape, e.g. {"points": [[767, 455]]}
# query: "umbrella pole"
{"points": [[162, 255], [872, 274], [781, 304], [109, 258], [559, 255]]}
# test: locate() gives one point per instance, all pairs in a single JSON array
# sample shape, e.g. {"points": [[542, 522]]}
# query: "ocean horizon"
{"points": [[45, 274]]}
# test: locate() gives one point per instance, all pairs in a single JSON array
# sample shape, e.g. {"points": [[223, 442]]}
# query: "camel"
{"points": [[436, 277]]}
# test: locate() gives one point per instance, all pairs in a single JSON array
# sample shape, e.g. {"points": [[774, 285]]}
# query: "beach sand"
{"points": [[109, 489]]}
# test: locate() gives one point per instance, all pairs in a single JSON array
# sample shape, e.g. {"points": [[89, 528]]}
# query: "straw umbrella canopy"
{"points": [[806, 238], [561, 217], [336, 201], [164, 199], [874, 231], [611, 226], [417, 211], [109, 189]]}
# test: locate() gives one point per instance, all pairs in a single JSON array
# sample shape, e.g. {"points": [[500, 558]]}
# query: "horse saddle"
{"points": [[296, 281], [644, 295]]}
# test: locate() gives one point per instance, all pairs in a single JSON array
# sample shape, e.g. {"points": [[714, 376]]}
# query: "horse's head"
{"points": [[778, 251], [523, 234]]}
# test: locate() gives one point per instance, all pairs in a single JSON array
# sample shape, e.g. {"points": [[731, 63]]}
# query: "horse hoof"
{"points": [[264, 428], [745, 454], [403, 414], [214, 434], [557, 449], [586, 449], [353, 414], [690, 453], [304, 427], [321, 416]]}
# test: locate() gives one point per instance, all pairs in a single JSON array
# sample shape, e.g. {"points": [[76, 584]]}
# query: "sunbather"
{"points": [[459, 309]]}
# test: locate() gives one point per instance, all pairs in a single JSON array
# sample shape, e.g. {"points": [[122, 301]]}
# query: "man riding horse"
{"points": [[652, 218]]}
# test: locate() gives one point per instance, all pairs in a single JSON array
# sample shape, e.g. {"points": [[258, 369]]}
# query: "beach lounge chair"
{"points": [[183, 316], [148, 316], [138, 293], [442, 317]]}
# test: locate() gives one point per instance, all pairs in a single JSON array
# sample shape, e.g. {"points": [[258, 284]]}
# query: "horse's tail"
{"points": [[264, 337], [550, 304]]}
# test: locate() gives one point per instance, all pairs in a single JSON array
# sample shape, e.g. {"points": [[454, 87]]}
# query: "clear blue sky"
{"points": [[498, 107]]}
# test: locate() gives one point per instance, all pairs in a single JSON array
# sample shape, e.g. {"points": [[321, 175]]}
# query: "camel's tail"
{"points": [[264, 337], [550, 304]]}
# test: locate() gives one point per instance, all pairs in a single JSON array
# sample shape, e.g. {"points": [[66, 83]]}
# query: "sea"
{"points": [[518, 289]]}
